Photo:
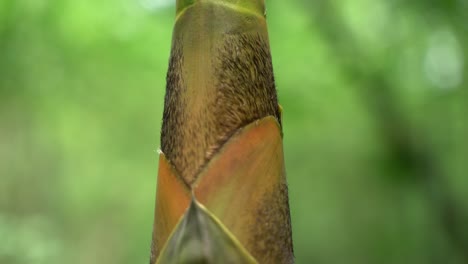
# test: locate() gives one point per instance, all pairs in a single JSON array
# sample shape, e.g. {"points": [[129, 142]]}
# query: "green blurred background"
{"points": [[375, 122]]}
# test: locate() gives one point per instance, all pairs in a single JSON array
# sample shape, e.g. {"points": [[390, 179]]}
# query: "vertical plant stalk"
{"points": [[221, 138]]}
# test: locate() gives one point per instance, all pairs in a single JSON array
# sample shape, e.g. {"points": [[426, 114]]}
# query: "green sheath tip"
{"points": [[200, 237], [181, 5], [253, 6]]}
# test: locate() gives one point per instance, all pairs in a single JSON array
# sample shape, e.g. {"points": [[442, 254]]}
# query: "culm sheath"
{"points": [[221, 141]]}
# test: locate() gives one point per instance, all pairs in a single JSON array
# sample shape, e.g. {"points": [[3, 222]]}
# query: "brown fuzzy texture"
{"points": [[244, 91], [271, 238], [239, 89]]}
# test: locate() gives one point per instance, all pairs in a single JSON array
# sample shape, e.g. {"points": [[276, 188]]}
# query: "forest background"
{"points": [[375, 98]]}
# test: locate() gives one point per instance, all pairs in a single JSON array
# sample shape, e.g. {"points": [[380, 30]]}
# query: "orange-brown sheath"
{"points": [[243, 185]]}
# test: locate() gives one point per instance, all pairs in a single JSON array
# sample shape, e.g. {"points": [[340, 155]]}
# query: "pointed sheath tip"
{"points": [[255, 6], [201, 238]]}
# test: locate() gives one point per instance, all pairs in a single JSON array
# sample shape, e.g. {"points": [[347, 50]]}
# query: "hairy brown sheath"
{"points": [[236, 87], [221, 135]]}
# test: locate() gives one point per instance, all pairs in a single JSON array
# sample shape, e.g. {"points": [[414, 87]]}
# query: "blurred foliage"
{"points": [[375, 122]]}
